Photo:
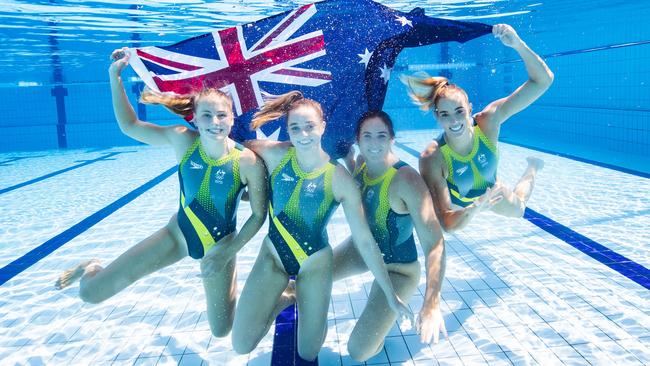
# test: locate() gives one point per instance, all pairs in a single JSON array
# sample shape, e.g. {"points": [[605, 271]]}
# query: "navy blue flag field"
{"points": [[337, 52]]}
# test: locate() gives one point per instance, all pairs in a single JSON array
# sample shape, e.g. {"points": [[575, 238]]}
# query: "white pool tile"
{"points": [[260, 357], [379, 358], [513, 295], [191, 359], [569, 355], [396, 349], [146, 361]]}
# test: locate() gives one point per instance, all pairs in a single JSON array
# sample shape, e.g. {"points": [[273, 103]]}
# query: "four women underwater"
{"points": [[300, 186]]}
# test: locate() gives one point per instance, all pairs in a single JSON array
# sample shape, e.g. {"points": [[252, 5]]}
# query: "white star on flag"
{"points": [[365, 57], [404, 21], [385, 73], [260, 135]]}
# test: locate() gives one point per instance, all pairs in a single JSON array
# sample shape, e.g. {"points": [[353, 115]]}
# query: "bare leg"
{"points": [[161, 249], [287, 298], [347, 261], [377, 318], [514, 202], [220, 295], [526, 183], [258, 301], [313, 293]]}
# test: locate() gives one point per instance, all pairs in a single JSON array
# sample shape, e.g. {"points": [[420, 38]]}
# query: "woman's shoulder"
{"points": [[181, 138], [247, 157], [181, 133], [432, 154], [267, 149], [279, 148], [432, 161], [432, 150], [407, 178], [405, 171], [487, 122]]}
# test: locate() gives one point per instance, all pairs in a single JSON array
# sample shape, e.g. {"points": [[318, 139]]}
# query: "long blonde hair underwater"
{"points": [[280, 106], [182, 104], [426, 91]]}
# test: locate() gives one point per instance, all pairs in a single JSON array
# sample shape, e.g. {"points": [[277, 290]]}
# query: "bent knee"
{"points": [[242, 348], [308, 353], [221, 330], [515, 207], [519, 208], [362, 351], [89, 295], [360, 356], [243, 343]]}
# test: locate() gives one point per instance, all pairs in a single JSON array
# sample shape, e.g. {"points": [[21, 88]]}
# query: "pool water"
{"points": [[513, 292], [565, 285]]}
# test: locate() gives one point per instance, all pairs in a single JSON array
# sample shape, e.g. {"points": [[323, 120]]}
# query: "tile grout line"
{"points": [[617, 262], [33, 256]]}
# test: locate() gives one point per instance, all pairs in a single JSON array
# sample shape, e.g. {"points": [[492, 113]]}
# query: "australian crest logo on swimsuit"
{"points": [[370, 194], [218, 176], [311, 188], [482, 159], [195, 165]]}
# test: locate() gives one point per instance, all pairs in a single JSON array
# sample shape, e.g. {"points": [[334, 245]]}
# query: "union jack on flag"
{"points": [[337, 52]]}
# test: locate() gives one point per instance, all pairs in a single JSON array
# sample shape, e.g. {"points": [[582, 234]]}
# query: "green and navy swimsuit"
{"points": [[301, 205], [210, 193], [392, 231], [471, 175]]}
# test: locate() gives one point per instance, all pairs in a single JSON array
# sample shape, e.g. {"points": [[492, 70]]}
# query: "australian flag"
{"points": [[337, 52]]}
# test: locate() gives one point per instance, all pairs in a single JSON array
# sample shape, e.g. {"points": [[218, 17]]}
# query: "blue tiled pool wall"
{"points": [[89, 118], [598, 105]]}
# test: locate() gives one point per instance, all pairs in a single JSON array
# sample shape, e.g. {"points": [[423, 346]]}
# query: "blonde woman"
{"points": [[213, 171], [460, 168], [306, 188]]}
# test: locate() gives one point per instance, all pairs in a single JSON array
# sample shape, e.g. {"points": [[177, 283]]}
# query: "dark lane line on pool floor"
{"points": [[50, 175], [582, 160], [33, 256], [619, 263], [18, 158]]}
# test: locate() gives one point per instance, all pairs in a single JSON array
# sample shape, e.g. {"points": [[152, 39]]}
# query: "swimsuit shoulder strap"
{"points": [[285, 159], [190, 151], [490, 145]]}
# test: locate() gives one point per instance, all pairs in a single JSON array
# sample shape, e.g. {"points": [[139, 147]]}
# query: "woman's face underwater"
{"points": [[375, 140], [305, 127], [213, 117], [453, 114]]}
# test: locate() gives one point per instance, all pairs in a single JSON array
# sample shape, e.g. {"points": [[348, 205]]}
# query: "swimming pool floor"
{"points": [[513, 292]]}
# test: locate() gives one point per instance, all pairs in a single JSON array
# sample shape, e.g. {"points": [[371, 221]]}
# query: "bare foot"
{"points": [[535, 163], [70, 276]]}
